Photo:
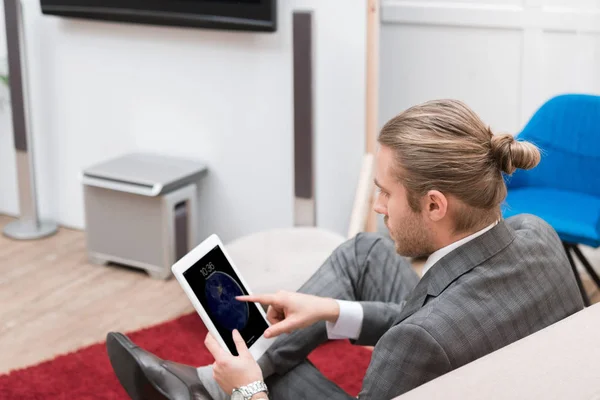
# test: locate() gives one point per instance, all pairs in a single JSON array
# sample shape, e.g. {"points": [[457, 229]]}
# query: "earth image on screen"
{"points": [[221, 290]]}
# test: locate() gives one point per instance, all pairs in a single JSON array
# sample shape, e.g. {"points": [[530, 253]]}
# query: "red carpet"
{"points": [[86, 373]]}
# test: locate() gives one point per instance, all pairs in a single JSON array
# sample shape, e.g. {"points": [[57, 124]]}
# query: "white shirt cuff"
{"points": [[349, 322]]}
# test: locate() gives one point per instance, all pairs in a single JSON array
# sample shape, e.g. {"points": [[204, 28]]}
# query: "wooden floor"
{"points": [[53, 301]]}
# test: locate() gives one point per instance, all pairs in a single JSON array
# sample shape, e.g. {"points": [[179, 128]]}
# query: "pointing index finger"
{"points": [[258, 298]]}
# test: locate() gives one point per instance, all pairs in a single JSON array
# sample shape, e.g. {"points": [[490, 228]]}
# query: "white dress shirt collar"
{"points": [[438, 254]]}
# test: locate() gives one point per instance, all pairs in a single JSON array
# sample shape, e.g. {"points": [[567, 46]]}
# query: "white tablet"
{"points": [[211, 281]]}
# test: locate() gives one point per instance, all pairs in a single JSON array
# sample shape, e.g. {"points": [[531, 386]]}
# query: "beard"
{"points": [[411, 238]]}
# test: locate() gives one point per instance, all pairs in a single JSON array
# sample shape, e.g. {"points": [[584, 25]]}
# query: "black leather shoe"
{"points": [[147, 377]]}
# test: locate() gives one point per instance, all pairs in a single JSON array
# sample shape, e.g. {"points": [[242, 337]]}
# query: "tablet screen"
{"points": [[216, 285]]}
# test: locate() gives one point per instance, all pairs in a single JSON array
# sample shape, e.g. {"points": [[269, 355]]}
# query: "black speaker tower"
{"points": [[304, 171]]}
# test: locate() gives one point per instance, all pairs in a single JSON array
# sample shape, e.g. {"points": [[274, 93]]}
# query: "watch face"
{"points": [[237, 395]]}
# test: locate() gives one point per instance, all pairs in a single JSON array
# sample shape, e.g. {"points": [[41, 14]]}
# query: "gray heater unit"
{"points": [[141, 210], [28, 226]]}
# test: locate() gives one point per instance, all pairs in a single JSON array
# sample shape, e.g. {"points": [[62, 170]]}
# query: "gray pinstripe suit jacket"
{"points": [[500, 287]]}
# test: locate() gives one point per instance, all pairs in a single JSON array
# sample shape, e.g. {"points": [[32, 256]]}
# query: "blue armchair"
{"points": [[564, 189]]}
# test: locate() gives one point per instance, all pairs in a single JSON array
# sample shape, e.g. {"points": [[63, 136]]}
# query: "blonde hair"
{"points": [[444, 145]]}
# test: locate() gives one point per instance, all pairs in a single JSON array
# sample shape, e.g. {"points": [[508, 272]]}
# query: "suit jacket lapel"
{"points": [[457, 263]]}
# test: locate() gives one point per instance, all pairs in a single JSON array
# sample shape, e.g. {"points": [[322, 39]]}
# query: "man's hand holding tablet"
{"points": [[229, 371], [287, 312], [239, 331]]}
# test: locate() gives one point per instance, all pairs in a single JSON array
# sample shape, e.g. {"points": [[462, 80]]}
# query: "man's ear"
{"points": [[436, 205]]}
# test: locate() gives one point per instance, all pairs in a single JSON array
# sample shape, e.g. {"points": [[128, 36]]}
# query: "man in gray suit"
{"points": [[487, 282]]}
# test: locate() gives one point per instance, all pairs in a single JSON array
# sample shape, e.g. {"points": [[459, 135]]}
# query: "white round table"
{"points": [[282, 259]]}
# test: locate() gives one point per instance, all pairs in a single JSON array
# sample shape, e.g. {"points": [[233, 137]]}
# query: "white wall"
{"points": [[503, 57], [101, 89]]}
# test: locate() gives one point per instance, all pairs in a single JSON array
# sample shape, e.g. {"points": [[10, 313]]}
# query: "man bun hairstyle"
{"points": [[443, 145], [511, 154]]}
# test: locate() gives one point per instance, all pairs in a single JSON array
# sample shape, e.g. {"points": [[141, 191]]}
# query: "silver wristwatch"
{"points": [[246, 392]]}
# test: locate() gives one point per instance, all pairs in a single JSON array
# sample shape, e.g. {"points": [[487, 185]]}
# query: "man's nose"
{"points": [[379, 208]]}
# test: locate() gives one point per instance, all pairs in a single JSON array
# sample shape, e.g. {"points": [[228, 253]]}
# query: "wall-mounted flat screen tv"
{"points": [[251, 15]]}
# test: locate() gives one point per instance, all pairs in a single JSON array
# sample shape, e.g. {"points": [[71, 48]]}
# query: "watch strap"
{"points": [[253, 388]]}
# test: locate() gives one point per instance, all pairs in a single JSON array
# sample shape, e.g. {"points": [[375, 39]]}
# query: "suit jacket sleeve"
{"points": [[378, 318], [407, 356]]}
